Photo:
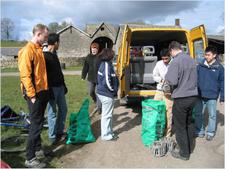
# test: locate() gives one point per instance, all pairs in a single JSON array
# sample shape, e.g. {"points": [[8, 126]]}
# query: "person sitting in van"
{"points": [[90, 68], [107, 88], [159, 73]]}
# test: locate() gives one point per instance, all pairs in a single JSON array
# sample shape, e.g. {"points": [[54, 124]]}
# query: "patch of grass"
{"points": [[10, 69], [15, 69], [12, 43], [11, 95], [74, 67]]}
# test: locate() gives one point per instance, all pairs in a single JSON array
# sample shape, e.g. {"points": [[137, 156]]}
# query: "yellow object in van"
{"points": [[135, 71]]}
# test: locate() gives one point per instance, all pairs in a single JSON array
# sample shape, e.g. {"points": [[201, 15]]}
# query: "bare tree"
{"points": [[7, 27]]}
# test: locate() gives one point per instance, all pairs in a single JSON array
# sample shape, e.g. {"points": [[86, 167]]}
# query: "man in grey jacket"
{"points": [[182, 77]]}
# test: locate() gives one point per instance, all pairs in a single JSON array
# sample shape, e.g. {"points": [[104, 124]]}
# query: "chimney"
{"points": [[177, 22]]}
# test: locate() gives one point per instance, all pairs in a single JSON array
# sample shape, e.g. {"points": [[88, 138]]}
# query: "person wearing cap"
{"points": [[90, 69]]}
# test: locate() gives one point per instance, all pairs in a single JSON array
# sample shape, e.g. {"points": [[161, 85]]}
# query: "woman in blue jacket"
{"points": [[107, 87]]}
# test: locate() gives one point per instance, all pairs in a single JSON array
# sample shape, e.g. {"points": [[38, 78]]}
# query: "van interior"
{"points": [[145, 50]]}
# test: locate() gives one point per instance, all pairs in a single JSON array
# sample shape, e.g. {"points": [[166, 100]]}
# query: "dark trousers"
{"points": [[183, 124], [92, 92], [37, 111]]}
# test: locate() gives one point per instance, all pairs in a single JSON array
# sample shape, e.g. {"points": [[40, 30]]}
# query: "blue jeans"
{"points": [[57, 110], [210, 104], [106, 119]]}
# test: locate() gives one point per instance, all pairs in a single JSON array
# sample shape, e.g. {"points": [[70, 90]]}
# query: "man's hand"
{"points": [[33, 99]]}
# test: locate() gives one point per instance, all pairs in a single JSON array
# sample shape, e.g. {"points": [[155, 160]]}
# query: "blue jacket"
{"points": [[211, 80], [108, 83]]}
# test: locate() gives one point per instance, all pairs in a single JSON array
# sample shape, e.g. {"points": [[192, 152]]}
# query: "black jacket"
{"points": [[54, 72], [90, 67]]}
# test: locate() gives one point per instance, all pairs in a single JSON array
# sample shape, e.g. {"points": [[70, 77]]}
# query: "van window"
{"points": [[198, 50], [145, 50], [158, 39]]}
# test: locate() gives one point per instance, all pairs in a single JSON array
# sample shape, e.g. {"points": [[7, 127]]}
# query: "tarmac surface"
{"points": [[129, 152]]}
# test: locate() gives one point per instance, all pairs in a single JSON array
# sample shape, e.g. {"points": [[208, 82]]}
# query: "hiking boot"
{"points": [[176, 154], [34, 163], [40, 154]]}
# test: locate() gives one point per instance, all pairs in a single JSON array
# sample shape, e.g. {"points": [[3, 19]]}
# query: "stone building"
{"points": [[76, 43]]}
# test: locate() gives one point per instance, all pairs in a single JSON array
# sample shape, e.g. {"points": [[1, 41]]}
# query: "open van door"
{"points": [[198, 41], [123, 62]]}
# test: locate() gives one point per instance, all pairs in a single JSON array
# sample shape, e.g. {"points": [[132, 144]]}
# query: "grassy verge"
{"points": [[15, 69], [12, 43], [74, 67], [12, 69], [11, 95]]}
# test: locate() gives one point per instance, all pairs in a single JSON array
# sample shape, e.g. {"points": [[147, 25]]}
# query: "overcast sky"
{"points": [[26, 13]]}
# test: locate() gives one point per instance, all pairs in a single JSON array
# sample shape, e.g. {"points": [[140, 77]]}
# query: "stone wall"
{"points": [[69, 61], [74, 43], [9, 63]]}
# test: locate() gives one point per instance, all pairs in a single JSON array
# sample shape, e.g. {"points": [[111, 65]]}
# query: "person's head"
{"points": [[53, 40], [210, 53], [175, 48], [94, 48], [165, 56], [107, 54], [40, 34]]}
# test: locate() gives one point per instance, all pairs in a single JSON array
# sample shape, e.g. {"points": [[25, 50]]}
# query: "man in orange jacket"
{"points": [[34, 85]]}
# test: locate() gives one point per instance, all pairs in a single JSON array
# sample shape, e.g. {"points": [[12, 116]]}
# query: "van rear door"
{"points": [[123, 62], [198, 42]]}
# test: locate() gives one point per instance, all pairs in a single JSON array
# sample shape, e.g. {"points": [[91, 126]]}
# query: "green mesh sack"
{"points": [[79, 130], [153, 121]]}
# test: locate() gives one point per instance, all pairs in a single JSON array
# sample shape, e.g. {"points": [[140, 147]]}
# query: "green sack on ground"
{"points": [[79, 130], [153, 121]]}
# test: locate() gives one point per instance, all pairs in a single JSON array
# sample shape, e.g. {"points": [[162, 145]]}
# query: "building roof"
{"points": [[111, 28], [69, 26], [216, 37]]}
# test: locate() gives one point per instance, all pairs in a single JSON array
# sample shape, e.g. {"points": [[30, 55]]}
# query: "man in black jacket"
{"points": [[90, 68], [57, 88]]}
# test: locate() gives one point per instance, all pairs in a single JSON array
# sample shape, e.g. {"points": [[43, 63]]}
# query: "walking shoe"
{"points": [[115, 137], [200, 135], [176, 154], [61, 137], [209, 138], [40, 154], [34, 163], [53, 141]]}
